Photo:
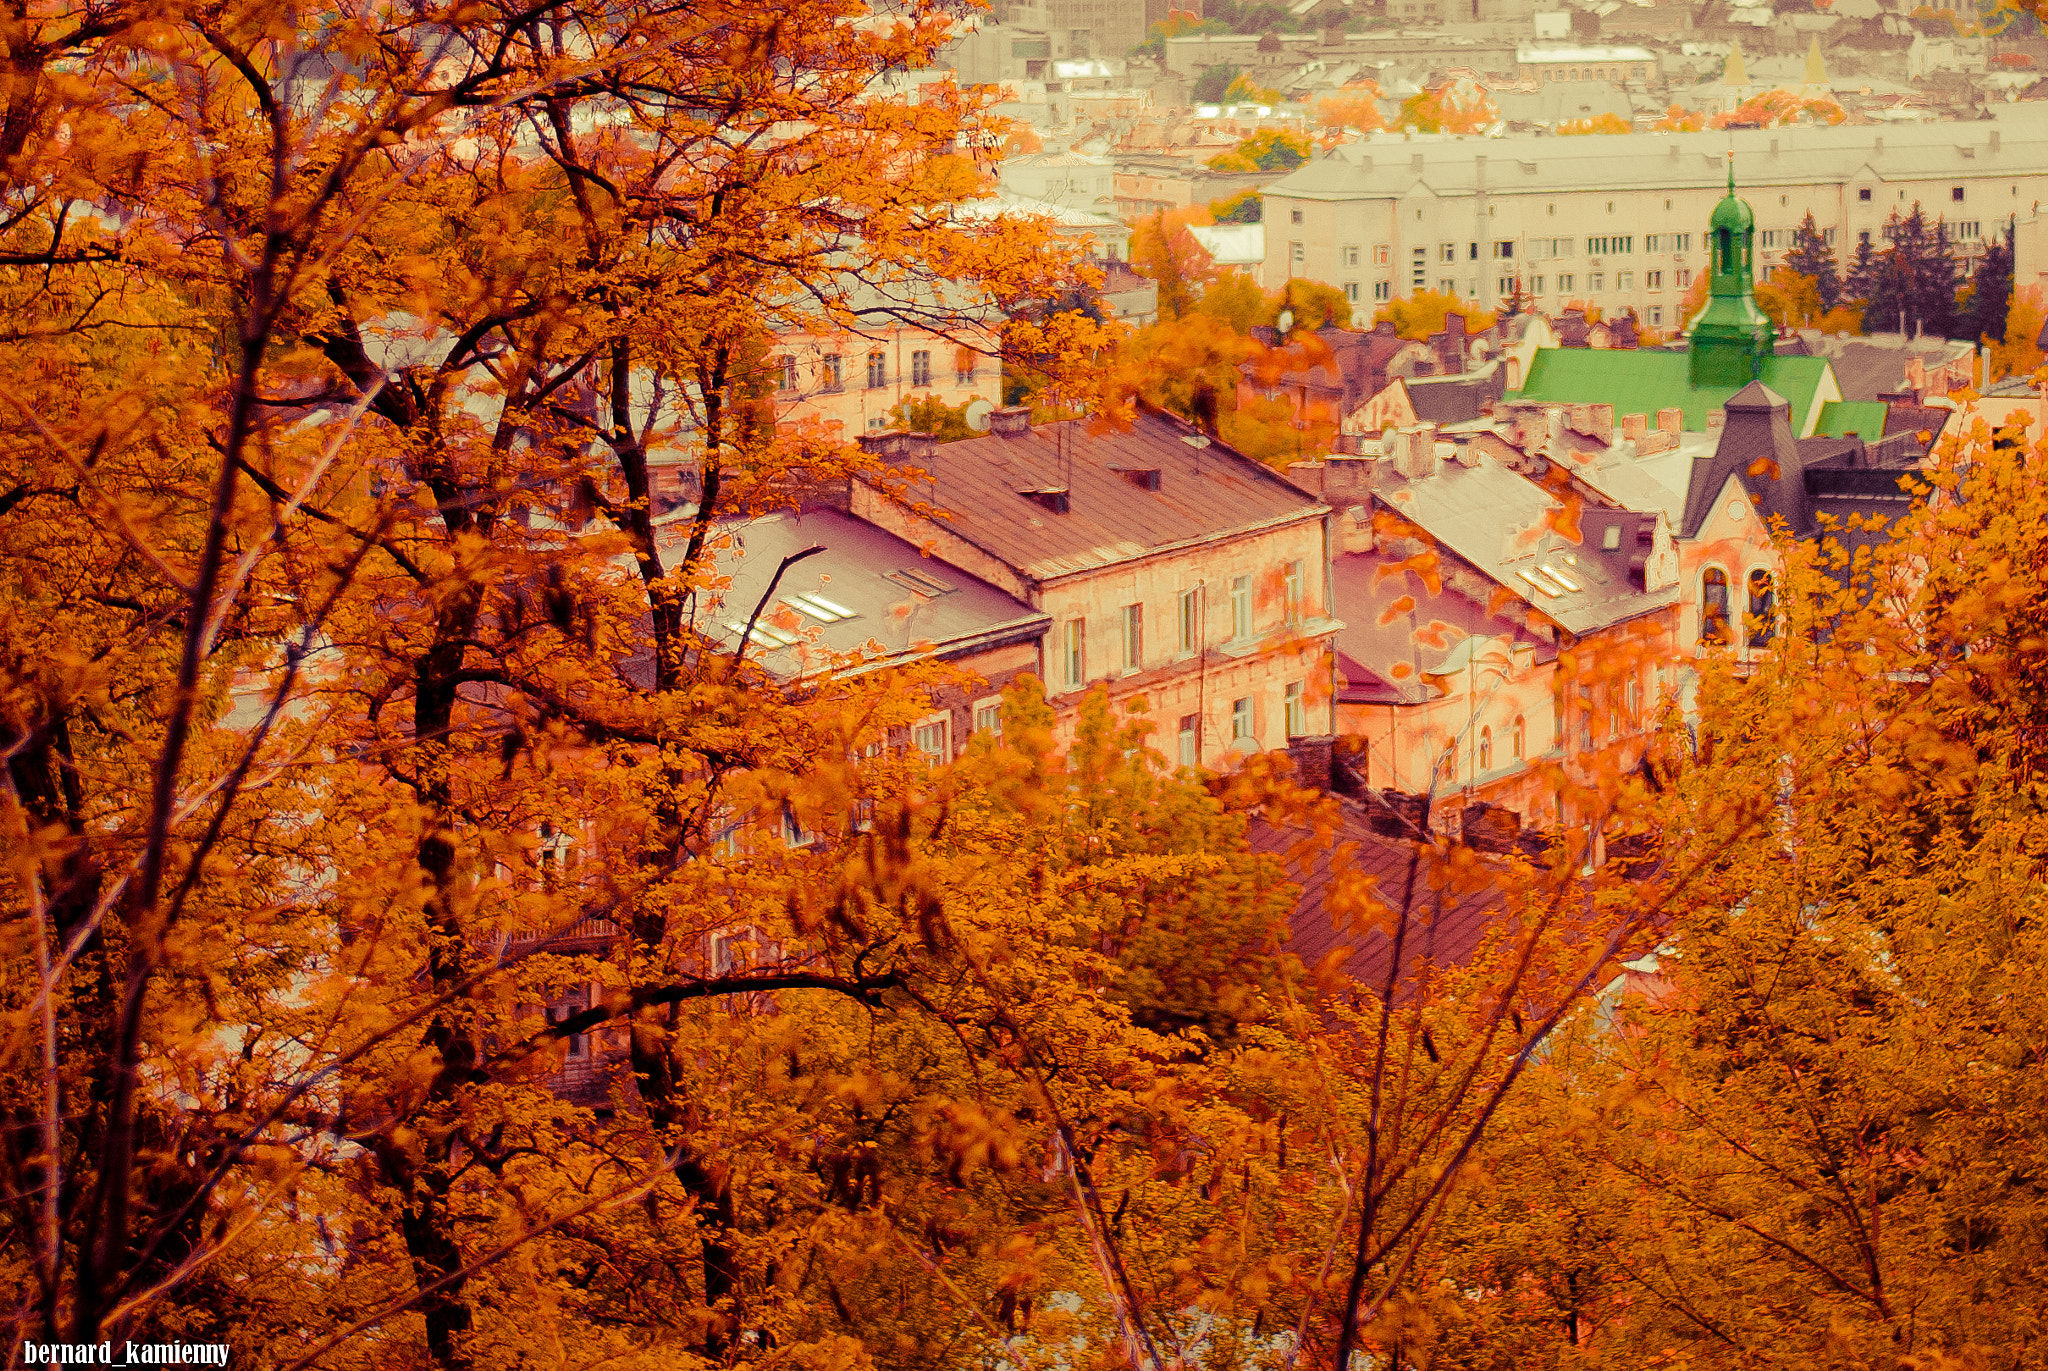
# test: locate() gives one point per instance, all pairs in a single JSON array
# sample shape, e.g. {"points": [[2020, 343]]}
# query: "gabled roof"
{"points": [[1388, 663], [1643, 381], [1111, 515], [1521, 537]]}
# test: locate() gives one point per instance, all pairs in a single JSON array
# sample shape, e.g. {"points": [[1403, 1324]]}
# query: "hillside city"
{"points": [[896, 685]]}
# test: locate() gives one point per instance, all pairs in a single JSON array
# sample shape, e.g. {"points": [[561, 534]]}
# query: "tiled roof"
{"points": [[1111, 515], [896, 601], [1644, 381], [1758, 448], [1446, 925]]}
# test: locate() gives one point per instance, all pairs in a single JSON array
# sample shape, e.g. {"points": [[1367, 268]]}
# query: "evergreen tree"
{"points": [[1861, 275], [1913, 286], [1811, 255], [1991, 290], [1935, 280]]}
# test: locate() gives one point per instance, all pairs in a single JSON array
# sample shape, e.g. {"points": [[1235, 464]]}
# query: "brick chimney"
{"points": [[1011, 421], [1635, 427], [1671, 421], [920, 447], [887, 444], [1314, 761]]}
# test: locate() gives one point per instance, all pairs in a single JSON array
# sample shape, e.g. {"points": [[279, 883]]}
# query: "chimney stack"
{"points": [[888, 444], [1415, 452], [1634, 427], [920, 447], [1671, 421], [1011, 421]]}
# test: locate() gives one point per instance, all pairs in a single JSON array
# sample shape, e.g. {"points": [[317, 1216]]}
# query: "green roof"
{"points": [[1840, 418], [1643, 381]]}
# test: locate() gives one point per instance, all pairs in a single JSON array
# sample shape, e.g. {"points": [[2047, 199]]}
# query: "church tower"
{"points": [[1732, 337]]}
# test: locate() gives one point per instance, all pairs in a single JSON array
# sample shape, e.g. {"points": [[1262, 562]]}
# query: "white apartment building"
{"points": [[1618, 220]]}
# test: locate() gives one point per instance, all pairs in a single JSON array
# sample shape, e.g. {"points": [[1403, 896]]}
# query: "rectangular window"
{"points": [[1190, 622], [1682, 278], [1609, 247], [1447, 252], [1471, 252], [988, 718], [1134, 637], [1297, 713], [1503, 250], [1241, 608], [1596, 281], [1350, 255], [1296, 254], [1505, 285], [1775, 238], [1075, 642], [1668, 242], [1351, 291], [1654, 280], [1446, 285], [931, 738], [920, 368], [1381, 254], [832, 374], [1625, 280], [1564, 283], [1241, 719], [1294, 216], [1190, 739], [1656, 316], [786, 372], [1295, 587], [1827, 235], [1535, 285], [878, 371], [1382, 291], [1863, 194], [1966, 231], [1420, 265], [1956, 193]]}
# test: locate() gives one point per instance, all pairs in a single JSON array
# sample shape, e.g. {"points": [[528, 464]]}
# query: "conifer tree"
{"points": [[1991, 290], [1812, 255]]}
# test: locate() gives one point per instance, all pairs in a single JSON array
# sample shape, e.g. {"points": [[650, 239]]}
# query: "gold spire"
{"points": [[1735, 75], [1816, 69]]}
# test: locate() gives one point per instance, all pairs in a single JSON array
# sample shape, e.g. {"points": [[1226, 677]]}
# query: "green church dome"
{"points": [[1733, 213]]}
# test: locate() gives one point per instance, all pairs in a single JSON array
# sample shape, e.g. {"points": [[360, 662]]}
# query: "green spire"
{"points": [[1732, 337]]}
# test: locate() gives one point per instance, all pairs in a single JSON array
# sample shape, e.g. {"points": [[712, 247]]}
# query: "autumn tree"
{"points": [[1354, 107], [1266, 150], [1425, 312], [1164, 250], [1599, 123], [1460, 106]]}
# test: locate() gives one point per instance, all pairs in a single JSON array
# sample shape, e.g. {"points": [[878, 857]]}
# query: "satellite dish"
{"points": [[977, 415]]}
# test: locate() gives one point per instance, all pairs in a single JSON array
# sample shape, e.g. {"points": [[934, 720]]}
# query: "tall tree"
{"points": [[1990, 290], [1813, 256]]}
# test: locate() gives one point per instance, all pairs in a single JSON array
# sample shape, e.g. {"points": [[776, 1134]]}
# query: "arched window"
{"points": [[1485, 750], [1714, 607], [1763, 607], [1517, 739], [1724, 255], [1447, 764]]}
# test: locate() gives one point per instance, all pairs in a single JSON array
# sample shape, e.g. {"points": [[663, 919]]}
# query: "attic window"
{"points": [[1610, 537], [1558, 576], [919, 583], [1144, 478], [1053, 498], [818, 607], [1542, 585]]}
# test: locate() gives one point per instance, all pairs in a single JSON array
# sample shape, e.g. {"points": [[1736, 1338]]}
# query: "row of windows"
{"points": [[1535, 249], [933, 738], [1566, 283], [831, 371], [1188, 633]]}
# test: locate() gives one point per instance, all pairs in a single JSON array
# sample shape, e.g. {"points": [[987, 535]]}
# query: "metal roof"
{"points": [[1111, 515], [1645, 380], [1548, 553], [868, 591]]}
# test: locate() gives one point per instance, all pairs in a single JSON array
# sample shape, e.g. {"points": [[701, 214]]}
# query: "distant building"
{"points": [[1615, 221], [1547, 62]]}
